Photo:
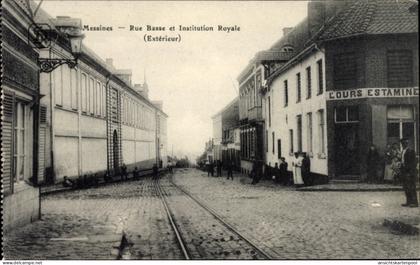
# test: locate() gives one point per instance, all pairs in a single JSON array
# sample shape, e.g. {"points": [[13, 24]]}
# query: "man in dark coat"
{"points": [[219, 168], [284, 176], [306, 170], [155, 171], [124, 173], [408, 174], [229, 170], [372, 161]]}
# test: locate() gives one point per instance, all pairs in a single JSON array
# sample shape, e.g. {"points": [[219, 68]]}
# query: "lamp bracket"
{"points": [[48, 65]]}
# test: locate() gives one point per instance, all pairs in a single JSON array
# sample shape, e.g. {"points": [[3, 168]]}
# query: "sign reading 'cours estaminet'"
{"points": [[373, 93]]}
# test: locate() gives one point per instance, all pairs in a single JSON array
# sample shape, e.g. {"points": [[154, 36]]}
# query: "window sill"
{"points": [[319, 93]]}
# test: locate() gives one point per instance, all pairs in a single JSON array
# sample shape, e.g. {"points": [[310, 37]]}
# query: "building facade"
{"points": [[95, 119], [351, 83], [20, 117], [226, 134]]}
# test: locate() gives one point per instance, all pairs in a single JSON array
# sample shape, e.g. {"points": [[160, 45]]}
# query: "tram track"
{"points": [[258, 253]]}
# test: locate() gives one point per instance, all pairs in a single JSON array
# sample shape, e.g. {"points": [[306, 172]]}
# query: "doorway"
{"points": [[347, 155], [115, 151]]}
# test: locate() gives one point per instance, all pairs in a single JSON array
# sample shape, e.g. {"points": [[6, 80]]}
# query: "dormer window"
{"points": [[287, 48]]}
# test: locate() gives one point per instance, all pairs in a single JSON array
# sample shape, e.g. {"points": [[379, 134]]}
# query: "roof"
{"points": [[373, 17], [231, 103]]}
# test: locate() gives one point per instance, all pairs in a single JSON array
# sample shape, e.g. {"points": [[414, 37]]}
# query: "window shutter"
{"points": [[8, 102]]}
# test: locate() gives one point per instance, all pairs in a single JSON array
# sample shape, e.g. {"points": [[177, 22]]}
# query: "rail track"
{"points": [[175, 226]]}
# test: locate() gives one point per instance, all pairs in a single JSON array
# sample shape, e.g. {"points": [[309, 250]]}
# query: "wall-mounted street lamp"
{"points": [[68, 29]]}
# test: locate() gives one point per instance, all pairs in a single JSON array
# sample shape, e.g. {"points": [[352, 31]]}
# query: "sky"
{"points": [[196, 77]]}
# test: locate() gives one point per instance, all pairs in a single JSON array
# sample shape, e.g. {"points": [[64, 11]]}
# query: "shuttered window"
{"points": [[400, 68], [345, 70], [8, 102]]}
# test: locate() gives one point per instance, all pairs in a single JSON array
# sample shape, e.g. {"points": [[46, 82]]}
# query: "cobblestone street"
{"points": [[288, 224]]}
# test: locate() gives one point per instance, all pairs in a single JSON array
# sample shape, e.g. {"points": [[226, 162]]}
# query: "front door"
{"points": [[115, 150], [347, 158]]}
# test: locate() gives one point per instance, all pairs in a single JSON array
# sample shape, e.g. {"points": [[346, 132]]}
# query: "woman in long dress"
{"points": [[297, 170]]}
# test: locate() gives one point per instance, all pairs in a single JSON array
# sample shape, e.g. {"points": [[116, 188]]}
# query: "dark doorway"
{"points": [[347, 157], [115, 150]]}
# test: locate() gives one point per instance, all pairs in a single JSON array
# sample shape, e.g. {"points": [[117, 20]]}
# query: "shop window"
{"points": [[401, 124], [347, 114]]}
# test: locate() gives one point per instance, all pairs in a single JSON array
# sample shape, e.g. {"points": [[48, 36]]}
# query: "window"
{"points": [[58, 86], [266, 141], [91, 96], [321, 133], [291, 148], [400, 68], [74, 89], [19, 142], [286, 93], [66, 86], [308, 83], [320, 78], [273, 142], [401, 124], [299, 132], [345, 70], [278, 148], [84, 93], [269, 111], [347, 114], [298, 88], [103, 95], [98, 99], [310, 132]]}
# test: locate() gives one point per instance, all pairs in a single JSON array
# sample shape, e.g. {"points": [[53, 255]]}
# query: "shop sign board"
{"points": [[400, 92]]}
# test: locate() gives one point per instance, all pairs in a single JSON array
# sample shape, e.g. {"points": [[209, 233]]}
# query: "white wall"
{"points": [[284, 118]]}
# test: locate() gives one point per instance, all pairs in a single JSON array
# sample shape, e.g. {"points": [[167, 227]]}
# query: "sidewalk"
{"points": [[358, 186], [58, 187]]}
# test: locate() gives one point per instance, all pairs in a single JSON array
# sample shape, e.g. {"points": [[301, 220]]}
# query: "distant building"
{"points": [[226, 133]]}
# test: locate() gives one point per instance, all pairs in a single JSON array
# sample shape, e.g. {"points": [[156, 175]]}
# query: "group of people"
{"points": [[219, 166], [399, 167], [300, 176]]}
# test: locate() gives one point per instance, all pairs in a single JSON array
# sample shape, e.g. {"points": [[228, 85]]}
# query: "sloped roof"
{"points": [[372, 17]]}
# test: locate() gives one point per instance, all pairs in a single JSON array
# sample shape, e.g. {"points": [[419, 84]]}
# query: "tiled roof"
{"points": [[372, 17]]}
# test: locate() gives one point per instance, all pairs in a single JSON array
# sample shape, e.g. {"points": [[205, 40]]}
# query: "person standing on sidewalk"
{"points": [[229, 170], [408, 174], [297, 170], [155, 171]]}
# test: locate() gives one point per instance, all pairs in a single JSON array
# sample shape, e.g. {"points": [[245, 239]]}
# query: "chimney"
{"points": [[124, 74], [109, 62], [142, 90], [287, 30], [316, 16], [158, 104]]}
